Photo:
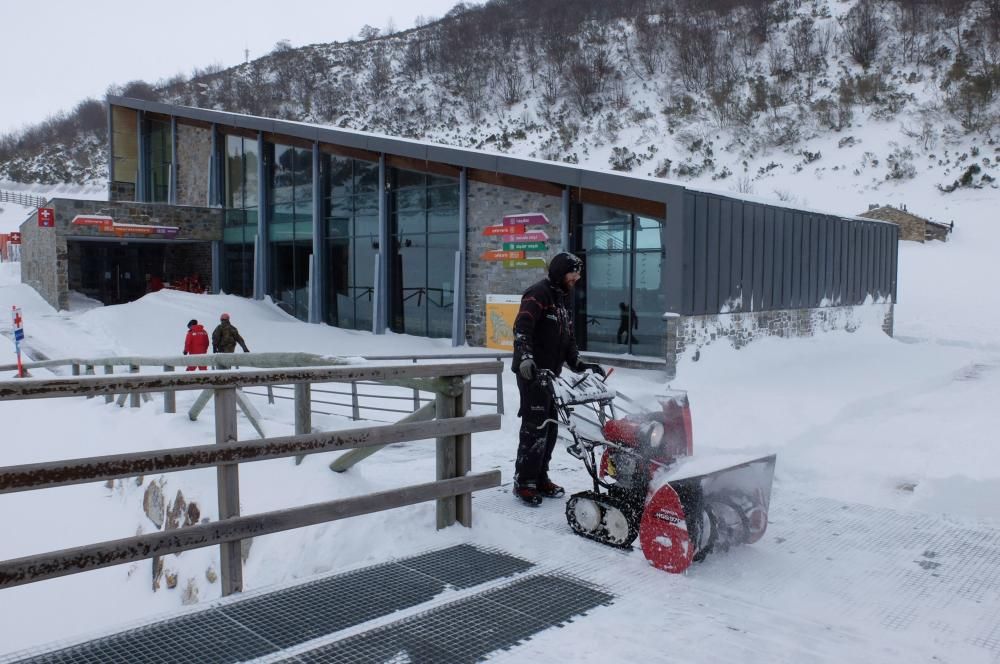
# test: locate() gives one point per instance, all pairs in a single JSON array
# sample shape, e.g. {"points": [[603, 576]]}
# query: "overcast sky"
{"points": [[55, 53]]}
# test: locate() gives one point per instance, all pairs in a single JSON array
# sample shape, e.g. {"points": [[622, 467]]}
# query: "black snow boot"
{"points": [[528, 493]]}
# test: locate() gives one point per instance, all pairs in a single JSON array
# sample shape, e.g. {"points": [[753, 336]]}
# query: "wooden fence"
{"points": [[452, 429]]}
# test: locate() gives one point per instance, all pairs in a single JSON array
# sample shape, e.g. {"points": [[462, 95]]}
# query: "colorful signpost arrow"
{"points": [[524, 246], [497, 255], [526, 219], [524, 263], [530, 236], [516, 229]]}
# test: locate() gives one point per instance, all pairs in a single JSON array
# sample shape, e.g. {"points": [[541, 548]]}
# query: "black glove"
{"points": [[185, 352], [593, 366], [527, 369]]}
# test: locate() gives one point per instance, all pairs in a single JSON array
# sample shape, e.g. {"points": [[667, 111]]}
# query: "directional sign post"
{"points": [[18, 337]]}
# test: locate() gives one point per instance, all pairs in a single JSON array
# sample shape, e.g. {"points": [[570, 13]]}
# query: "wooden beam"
{"points": [[351, 153], [656, 209], [228, 485], [515, 182], [348, 459], [422, 166], [32, 476], [20, 571], [282, 139]]}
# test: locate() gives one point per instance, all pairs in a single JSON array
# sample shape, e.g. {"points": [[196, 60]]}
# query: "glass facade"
{"points": [[423, 227], [161, 156], [621, 306], [240, 198], [289, 227], [350, 214]]}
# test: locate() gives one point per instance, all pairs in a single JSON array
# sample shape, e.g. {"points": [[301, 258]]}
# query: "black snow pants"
{"points": [[536, 441]]}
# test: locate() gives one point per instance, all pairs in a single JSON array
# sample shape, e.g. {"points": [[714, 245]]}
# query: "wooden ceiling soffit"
{"points": [[162, 117], [282, 139], [515, 182], [422, 166], [345, 151], [657, 209]]}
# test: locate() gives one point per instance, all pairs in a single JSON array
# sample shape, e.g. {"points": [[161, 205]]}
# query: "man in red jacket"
{"points": [[196, 342]]}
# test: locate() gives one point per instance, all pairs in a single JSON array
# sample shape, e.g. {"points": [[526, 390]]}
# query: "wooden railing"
{"points": [[452, 428], [19, 198]]}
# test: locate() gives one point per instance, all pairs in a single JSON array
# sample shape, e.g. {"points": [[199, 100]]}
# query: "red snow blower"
{"points": [[647, 483]]}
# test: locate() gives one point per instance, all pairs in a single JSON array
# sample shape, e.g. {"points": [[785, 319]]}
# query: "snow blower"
{"points": [[647, 483]]}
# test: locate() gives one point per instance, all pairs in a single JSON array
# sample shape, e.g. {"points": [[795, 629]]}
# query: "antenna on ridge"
{"points": [[246, 54]]}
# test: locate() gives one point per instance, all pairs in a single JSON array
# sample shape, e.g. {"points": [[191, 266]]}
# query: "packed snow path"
{"points": [[828, 578]]}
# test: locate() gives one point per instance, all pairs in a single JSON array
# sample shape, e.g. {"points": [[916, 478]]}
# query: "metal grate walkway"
{"points": [[267, 624]]}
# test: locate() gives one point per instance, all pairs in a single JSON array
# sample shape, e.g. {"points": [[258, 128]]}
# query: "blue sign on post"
{"points": [[19, 334]]}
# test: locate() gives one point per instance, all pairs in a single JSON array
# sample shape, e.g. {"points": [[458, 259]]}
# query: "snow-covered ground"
{"points": [[907, 425]]}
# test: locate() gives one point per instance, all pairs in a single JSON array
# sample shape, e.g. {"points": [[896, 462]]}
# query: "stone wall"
{"points": [[911, 227], [193, 223], [487, 206], [45, 259], [194, 150], [121, 191], [689, 336], [44, 262]]}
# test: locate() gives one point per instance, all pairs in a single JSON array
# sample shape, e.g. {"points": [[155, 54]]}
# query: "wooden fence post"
{"points": [[355, 407], [500, 386], [463, 455], [108, 369], [133, 396], [228, 478], [169, 396], [303, 412], [444, 405]]}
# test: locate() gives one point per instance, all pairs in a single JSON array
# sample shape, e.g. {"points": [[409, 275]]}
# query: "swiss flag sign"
{"points": [[47, 217]]}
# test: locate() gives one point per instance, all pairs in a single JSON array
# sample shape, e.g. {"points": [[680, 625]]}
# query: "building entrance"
{"points": [[119, 272]]}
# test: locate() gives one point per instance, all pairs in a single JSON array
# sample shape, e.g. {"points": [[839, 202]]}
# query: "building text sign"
{"points": [[105, 224]]}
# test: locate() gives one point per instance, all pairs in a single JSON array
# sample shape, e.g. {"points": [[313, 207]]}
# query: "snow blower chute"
{"points": [[648, 484]]}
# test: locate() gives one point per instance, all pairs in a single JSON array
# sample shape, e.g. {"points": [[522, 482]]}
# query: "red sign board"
{"points": [[105, 224], [47, 217], [504, 230], [15, 238]]}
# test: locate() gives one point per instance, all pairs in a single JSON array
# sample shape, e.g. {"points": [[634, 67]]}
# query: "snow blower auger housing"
{"points": [[647, 483]]}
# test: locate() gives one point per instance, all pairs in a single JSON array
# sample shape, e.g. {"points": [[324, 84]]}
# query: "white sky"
{"points": [[55, 53]]}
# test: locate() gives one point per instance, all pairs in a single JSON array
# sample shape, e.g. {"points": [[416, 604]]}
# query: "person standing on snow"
{"points": [[225, 337], [543, 339], [196, 341]]}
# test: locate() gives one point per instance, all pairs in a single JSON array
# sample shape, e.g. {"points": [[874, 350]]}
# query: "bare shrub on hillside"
{"points": [[863, 32]]}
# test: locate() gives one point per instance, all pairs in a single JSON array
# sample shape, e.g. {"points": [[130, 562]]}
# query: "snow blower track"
{"points": [[827, 578]]}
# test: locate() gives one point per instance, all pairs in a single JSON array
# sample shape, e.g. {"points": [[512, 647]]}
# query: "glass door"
{"points": [[621, 305]]}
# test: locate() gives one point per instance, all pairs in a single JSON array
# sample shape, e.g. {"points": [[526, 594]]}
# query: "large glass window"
{"points": [[350, 211], [424, 232], [241, 201], [161, 156], [290, 227], [622, 302]]}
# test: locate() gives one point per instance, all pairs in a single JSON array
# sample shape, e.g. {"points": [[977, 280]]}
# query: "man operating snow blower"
{"points": [[543, 339]]}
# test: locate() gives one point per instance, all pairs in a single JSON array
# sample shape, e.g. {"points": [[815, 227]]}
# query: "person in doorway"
{"points": [[196, 341], [627, 320], [543, 339], [225, 337]]}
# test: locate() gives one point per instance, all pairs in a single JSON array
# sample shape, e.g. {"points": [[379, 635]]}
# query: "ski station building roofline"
{"points": [[367, 231]]}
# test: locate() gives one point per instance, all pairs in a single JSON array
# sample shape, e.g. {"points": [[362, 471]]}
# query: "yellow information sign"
{"points": [[501, 310]]}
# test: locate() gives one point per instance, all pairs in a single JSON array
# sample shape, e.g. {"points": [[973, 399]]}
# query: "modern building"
{"points": [[371, 232]]}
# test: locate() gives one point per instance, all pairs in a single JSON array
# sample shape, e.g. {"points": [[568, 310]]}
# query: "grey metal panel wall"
{"points": [[756, 257]]}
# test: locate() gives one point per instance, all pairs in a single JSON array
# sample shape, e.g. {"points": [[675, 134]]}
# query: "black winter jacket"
{"points": [[543, 329]]}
